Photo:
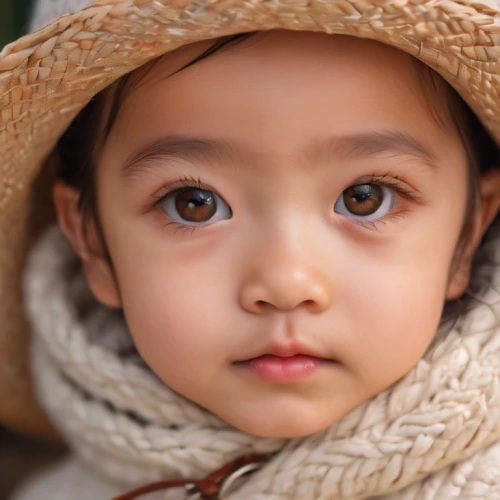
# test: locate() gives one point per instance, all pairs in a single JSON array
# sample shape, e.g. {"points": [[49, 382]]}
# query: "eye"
{"points": [[195, 206], [366, 201]]}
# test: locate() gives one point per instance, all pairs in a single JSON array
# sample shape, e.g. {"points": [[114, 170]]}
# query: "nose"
{"points": [[285, 281]]}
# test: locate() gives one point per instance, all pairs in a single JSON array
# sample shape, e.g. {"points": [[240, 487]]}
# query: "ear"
{"points": [[87, 244], [486, 211]]}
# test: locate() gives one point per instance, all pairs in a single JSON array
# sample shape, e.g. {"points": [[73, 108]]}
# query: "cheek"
{"points": [[401, 305], [402, 322], [175, 311]]}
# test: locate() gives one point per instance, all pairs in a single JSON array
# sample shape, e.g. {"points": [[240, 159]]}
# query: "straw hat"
{"points": [[48, 76]]}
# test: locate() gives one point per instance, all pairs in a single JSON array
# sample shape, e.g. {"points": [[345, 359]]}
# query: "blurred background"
{"points": [[13, 19], [20, 456]]}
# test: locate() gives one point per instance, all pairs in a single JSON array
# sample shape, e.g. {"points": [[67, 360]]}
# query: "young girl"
{"points": [[262, 225]]}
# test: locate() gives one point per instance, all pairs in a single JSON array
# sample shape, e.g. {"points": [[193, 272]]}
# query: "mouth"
{"points": [[284, 364]]}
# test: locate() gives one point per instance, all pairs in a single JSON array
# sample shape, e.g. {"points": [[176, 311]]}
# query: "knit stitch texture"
{"points": [[433, 435]]}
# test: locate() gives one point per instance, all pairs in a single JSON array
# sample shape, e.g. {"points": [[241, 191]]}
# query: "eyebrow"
{"points": [[179, 148], [371, 144], [153, 155]]}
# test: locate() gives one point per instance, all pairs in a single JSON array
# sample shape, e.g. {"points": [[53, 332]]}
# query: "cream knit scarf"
{"points": [[430, 436]]}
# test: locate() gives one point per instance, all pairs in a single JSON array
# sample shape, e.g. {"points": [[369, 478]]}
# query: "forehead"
{"points": [[275, 82], [300, 51]]}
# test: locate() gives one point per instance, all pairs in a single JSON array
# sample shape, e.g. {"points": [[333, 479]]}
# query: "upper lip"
{"points": [[285, 350]]}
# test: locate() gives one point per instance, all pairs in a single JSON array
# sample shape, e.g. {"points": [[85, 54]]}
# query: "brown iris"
{"points": [[363, 199], [195, 205]]}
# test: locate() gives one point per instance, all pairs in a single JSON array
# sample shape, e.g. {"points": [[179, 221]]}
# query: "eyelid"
{"points": [[401, 187], [184, 183], [402, 190], [373, 224]]}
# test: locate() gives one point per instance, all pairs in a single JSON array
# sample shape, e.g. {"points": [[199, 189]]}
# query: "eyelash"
{"points": [[399, 187], [391, 182], [186, 182]]}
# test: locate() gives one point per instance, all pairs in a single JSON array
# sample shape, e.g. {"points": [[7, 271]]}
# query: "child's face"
{"points": [[282, 263]]}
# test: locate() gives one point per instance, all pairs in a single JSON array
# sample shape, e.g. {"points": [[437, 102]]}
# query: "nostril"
{"points": [[263, 305]]}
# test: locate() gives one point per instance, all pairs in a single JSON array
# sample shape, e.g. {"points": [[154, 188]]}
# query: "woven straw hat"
{"points": [[48, 76]]}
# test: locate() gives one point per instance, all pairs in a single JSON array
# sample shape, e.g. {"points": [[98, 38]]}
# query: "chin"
{"points": [[284, 425], [283, 432]]}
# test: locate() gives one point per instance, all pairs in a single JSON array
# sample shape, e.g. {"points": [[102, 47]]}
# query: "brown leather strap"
{"points": [[207, 488]]}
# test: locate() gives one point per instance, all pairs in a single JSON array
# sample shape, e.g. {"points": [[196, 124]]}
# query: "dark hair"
{"points": [[481, 150], [79, 146]]}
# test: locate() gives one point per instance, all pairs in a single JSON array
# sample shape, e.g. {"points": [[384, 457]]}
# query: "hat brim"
{"points": [[48, 76]]}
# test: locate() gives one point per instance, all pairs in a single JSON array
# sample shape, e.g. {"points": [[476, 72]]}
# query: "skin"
{"points": [[286, 268]]}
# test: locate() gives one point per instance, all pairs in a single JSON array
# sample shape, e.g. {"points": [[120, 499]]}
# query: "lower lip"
{"points": [[284, 370]]}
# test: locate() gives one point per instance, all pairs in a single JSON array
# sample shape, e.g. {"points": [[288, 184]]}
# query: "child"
{"points": [[262, 230]]}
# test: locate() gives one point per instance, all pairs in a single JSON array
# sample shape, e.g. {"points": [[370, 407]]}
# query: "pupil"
{"points": [[361, 197], [195, 205], [199, 198]]}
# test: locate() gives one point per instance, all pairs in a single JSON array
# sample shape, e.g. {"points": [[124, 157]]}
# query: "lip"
{"points": [[284, 362], [285, 350], [283, 369]]}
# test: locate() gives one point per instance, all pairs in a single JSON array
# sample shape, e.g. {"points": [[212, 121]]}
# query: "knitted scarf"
{"points": [[432, 435]]}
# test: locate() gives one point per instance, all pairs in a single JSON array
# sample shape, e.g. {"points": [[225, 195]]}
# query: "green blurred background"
{"points": [[13, 19]]}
